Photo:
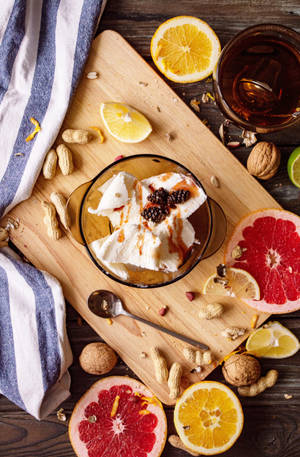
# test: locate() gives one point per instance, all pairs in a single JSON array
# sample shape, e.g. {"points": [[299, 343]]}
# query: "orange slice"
{"points": [[185, 49], [208, 418]]}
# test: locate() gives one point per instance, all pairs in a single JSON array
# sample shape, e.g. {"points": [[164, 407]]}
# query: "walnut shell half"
{"points": [[264, 160]]}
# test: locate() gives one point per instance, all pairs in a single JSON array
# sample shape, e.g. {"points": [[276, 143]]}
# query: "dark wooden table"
{"points": [[272, 423]]}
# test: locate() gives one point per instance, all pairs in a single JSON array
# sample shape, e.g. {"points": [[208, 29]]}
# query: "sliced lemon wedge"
{"points": [[125, 123], [237, 283], [273, 341]]}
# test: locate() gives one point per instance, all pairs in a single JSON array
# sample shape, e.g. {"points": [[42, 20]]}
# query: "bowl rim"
{"points": [[107, 273]]}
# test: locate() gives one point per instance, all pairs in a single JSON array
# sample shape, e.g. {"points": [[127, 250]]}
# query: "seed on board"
{"points": [[92, 75], [163, 310], [215, 182], [142, 83], [170, 137], [190, 295], [233, 144]]}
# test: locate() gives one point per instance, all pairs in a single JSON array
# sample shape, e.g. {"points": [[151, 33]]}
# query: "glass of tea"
{"points": [[257, 78]]}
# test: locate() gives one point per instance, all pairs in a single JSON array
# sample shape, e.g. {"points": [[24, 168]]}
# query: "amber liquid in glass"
{"points": [[260, 80]]}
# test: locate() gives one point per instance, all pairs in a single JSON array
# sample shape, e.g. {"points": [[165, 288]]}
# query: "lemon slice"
{"points": [[237, 283], [185, 49], [125, 123], [273, 341], [208, 418]]}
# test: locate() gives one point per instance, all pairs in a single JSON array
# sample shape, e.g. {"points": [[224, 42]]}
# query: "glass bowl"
{"points": [[87, 227]]}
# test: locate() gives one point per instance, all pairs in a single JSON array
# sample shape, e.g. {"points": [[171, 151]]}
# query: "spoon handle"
{"points": [[169, 332]]}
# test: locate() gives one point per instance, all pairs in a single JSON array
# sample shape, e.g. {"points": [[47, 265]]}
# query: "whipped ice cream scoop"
{"points": [[115, 193], [140, 243]]}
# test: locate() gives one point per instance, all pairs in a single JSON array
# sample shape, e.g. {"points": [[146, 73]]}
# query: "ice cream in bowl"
{"points": [[145, 220]]}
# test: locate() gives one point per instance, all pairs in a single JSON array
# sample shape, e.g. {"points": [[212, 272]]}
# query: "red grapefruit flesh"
{"points": [[271, 239], [118, 417]]}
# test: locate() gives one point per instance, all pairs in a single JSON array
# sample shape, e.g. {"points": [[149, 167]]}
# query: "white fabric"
{"points": [[43, 48]]}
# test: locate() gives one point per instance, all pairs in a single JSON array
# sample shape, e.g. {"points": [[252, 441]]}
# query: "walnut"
{"points": [[264, 160], [241, 370], [97, 358]]}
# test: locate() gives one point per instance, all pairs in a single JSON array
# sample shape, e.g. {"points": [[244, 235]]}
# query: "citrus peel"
{"points": [[36, 130]]}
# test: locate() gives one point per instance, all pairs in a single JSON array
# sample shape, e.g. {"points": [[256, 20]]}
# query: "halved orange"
{"points": [[208, 418], [185, 49]]}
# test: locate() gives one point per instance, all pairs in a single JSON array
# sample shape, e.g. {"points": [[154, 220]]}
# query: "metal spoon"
{"points": [[105, 304]]}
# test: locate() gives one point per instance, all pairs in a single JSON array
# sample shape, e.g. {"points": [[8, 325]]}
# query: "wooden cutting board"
{"points": [[126, 77]]}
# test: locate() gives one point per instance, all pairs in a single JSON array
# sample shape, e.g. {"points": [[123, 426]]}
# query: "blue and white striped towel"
{"points": [[43, 48]]}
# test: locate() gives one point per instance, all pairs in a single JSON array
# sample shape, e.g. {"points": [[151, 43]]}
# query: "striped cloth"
{"points": [[43, 48]]}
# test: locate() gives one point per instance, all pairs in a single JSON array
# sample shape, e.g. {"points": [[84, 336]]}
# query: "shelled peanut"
{"points": [[197, 357]]}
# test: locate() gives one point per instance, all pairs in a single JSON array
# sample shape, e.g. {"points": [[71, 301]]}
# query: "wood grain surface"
{"points": [[194, 146], [271, 422]]}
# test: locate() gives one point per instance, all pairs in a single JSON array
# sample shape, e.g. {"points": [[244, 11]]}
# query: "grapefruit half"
{"points": [[270, 251], [118, 416]]}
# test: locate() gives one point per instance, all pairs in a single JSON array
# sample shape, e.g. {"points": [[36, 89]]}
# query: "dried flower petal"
{"points": [[221, 270], [36, 130], [254, 320], [237, 252], [98, 130], [194, 103], [249, 138], [61, 416]]}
